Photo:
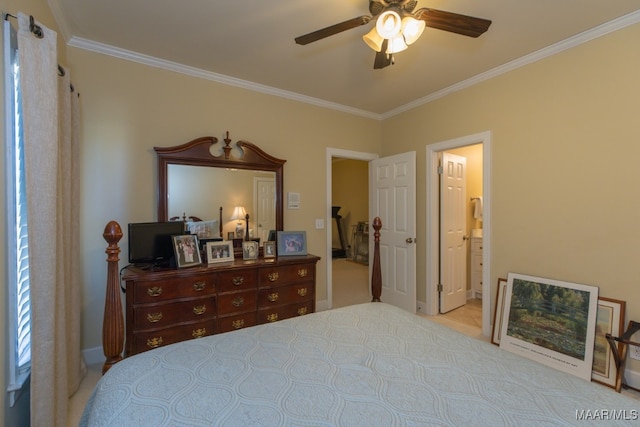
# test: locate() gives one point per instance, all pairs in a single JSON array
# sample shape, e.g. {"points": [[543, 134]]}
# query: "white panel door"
{"points": [[265, 203], [453, 242], [393, 199]]}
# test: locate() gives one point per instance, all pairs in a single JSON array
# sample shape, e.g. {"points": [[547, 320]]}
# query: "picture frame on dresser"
{"points": [[609, 320], [292, 243], [219, 252], [185, 248], [269, 249], [249, 250]]}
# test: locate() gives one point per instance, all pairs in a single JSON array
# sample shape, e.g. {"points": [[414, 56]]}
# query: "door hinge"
{"points": [[440, 287], [440, 170]]}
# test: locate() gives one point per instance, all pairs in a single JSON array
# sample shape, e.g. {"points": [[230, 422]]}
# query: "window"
{"points": [[17, 251]]}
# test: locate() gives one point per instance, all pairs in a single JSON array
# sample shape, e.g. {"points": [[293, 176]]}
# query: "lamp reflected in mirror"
{"points": [[239, 214]]}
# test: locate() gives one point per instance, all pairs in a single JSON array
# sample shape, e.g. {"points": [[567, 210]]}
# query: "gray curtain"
{"points": [[50, 123]]}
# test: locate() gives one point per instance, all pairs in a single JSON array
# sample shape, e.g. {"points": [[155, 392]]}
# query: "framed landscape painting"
{"points": [[609, 320], [550, 321]]}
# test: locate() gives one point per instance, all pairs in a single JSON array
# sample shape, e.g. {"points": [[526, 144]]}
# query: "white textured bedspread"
{"points": [[366, 365]]}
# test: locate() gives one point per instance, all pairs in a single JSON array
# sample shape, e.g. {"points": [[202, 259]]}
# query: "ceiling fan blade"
{"points": [[453, 22], [382, 59], [333, 29]]}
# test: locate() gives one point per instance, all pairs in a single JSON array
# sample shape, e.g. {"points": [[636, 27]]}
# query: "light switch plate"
{"points": [[319, 223]]}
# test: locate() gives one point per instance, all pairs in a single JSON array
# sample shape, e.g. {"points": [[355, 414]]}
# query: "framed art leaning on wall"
{"points": [[550, 321]]}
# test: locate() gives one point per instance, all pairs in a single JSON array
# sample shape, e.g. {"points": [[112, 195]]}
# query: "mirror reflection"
{"points": [[200, 191]]}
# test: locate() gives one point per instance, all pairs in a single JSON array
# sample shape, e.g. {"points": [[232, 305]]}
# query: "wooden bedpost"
{"points": [[376, 275], [113, 322]]}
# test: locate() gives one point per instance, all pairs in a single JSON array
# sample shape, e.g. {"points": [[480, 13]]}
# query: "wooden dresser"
{"points": [[164, 306]]}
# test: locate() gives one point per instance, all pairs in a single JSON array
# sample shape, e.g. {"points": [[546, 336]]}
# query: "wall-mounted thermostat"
{"points": [[293, 200]]}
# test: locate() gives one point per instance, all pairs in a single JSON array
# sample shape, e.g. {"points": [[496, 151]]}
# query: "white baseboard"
{"points": [[322, 305], [94, 356], [632, 378]]}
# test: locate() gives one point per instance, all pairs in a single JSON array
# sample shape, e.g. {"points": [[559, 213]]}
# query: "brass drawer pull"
{"points": [[199, 309], [237, 324], [199, 333], [272, 317], [154, 291], [273, 297], [302, 311], [199, 286], [238, 280], [303, 272], [273, 276], [154, 317], [302, 292], [154, 342], [237, 302]]}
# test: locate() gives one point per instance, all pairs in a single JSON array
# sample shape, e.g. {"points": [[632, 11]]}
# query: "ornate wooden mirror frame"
{"points": [[198, 153]]}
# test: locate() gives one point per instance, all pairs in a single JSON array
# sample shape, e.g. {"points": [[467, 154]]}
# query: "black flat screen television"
{"points": [[150, 242]]}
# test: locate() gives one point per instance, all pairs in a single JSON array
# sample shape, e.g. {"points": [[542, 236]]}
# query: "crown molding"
{"points": [[208, 75], [606, 28]]}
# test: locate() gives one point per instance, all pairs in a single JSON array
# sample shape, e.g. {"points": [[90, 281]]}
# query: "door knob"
{"points": [[410, 240], [465, 237]]}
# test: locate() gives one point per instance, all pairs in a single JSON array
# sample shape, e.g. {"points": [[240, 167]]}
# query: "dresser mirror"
{"points": [[207, 179]]}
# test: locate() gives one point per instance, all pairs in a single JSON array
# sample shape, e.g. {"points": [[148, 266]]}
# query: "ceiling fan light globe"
{"points": [[373, 40], [412, 29], [396, 44], [389, 24]]}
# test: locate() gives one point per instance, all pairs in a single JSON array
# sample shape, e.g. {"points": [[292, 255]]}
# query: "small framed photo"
{"points": [[185, 248], [497, 315], [269, 249], [609, 320], [219, 252], [250, 249], [231, 235], [291, 243]]}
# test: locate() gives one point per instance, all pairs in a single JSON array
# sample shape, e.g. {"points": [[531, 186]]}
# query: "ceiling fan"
{"points": [[398, 25]]}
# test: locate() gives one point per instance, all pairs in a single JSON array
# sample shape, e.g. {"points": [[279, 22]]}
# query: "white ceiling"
{"points": [[250, 43]]}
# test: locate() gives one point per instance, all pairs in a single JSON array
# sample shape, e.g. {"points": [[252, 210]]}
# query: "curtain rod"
{"points": [[37, 31]]}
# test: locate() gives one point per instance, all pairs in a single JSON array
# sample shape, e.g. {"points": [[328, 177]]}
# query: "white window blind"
{"points": [[19, 309]]}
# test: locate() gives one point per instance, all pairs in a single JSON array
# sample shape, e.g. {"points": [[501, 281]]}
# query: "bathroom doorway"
{"points": [[482, 142]]}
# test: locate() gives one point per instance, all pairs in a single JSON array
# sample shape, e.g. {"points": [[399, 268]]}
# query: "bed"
{"points": [[371, 364]]}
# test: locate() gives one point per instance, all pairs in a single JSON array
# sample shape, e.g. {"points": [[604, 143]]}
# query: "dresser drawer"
{"points": [[161, 315], [286, 294], [143, 341], [237, 321], [237, 302], [273, 314], [287, 274], [476, 261], [237, 280], [155, 291]]}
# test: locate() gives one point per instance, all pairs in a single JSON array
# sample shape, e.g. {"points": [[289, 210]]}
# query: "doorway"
{"points": [[430, 307], [351, 185]]}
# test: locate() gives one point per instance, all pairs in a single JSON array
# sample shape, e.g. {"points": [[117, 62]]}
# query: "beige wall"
{"points": [[129, 108], [564, 159]]}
